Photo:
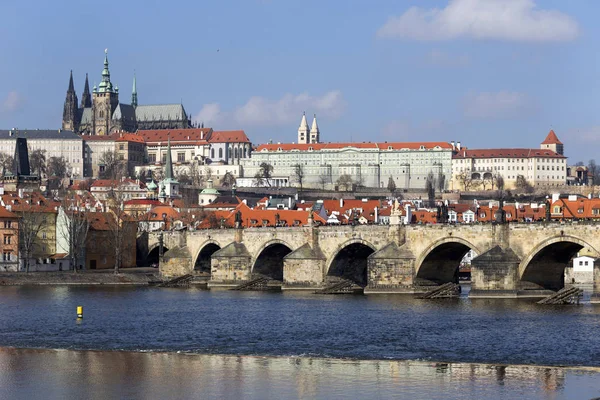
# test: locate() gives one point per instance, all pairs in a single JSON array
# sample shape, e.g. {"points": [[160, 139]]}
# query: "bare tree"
{"points": [[430, 184], [258, 180], [523, 185], [58, 167], [228, 179], [31, 222], [73, 226], [158, 174], [195, 175], [593, 172], [183, 177], [114, 167], [391, 186], [465, 180], [208, 172], [323, 180], [299, 175], [6, 162], [359, 180], [441, 182], [266, 172], [119, 229], [487, 180], [37, 162], [345, 181]]}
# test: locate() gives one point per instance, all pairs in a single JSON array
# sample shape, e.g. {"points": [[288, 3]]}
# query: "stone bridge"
{"points": [[513, 260]]}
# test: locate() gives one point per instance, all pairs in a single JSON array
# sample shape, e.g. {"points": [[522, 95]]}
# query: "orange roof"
{"points": [[114, 183], [159, 213], [129, 137], [551, 138], [100, 221], [506, 153], [368, 145], [4, 213], [258, 218], [228, 137], [192, 135]]}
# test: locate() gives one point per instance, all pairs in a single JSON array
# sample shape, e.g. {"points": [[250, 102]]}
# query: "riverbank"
{"points": [[132, 277]]}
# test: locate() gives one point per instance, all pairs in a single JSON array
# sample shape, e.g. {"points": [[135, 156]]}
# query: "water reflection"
{"points": [[61, 374]]}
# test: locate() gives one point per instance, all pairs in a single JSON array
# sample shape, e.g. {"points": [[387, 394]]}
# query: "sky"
{"points": [[488, 73]]}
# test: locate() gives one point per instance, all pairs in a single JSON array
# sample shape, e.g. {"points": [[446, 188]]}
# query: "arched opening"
{"points": [[220, 153], [350, 263], [487, 175], [270, 261], [476, 176], [153, 257], [212, 153], [546, 270], [202, 264], [444, 263]]}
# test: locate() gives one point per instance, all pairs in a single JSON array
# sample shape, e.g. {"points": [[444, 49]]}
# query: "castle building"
{"points": [[479, 168], [101, 112]]}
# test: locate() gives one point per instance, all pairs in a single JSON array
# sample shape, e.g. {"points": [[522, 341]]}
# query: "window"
{"points": [[596, 211], [152, 158], [180, 157], [220, 153], [121, 147], [7, 239], [43, 235], [7, 224]]}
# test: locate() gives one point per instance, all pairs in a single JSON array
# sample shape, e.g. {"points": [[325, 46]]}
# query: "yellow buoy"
{"points": [[79, 312]]}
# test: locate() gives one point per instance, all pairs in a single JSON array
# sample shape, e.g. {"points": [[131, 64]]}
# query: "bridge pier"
{"points": [[595, 299], [495, 273], [230, 266], [303, 269], [391, 270], [176, 262]]}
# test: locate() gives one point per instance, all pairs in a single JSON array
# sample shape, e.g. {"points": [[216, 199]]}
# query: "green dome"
{"points": [[210, 191]]}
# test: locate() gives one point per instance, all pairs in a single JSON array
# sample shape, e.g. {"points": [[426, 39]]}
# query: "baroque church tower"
{"points": [[105, 100], [308, 136], [70, 119]]}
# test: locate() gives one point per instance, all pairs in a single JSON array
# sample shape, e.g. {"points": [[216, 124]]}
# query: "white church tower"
{"points": [[303, 132], [314, 131]]}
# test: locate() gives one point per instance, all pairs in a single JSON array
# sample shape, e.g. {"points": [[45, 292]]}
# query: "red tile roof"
{"points": [[192, 135], [228, 137], [551, 138], [4, 213], [506, 153], [129, 137], [337, 146]]}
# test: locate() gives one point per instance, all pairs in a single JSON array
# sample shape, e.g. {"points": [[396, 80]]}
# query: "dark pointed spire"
{"points": [[169, 162], [71, 86], [86, 97], [70, 112]]}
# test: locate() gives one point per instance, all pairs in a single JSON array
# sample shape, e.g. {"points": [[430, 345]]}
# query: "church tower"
{"points": [[105, 100], [70, 112], [303, 132], [86, 97], [314, 131]]}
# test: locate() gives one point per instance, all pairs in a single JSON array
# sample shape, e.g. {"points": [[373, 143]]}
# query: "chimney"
{"points": [[341, 203], [458, 145], [453, 146]]}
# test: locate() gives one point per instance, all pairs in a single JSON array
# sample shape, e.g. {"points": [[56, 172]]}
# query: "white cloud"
{"points": [[260, 111], [12, 102], [406, 130], [517, 20], [497, 105], [441, 58]]}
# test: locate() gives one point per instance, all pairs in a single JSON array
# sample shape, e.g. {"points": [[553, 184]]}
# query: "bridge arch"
{"points": [[202, 260], [153, 254], [545, 265], [268, 260], [440, 261], [349, 261]]}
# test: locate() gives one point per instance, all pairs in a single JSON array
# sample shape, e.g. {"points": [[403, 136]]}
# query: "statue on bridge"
{"points": [[238, 219], [442, 213]]}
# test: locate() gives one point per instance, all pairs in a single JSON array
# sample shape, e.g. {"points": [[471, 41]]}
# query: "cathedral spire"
{"points": [[303, 131], [134, 101], [105, 85], [70, 119], [86, 98], [71, 86]]}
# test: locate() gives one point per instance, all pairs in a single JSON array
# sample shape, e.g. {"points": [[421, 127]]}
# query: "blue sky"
{"points": [[490, 73]]}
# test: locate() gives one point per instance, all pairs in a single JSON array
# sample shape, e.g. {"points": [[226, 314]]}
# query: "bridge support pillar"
{"points": [[230, 266], [391, 270], [495, 273], [303, 268], [595, 299], [176, 262]]}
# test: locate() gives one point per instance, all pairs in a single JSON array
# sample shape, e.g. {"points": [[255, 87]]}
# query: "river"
{"points": [[221, 344]]}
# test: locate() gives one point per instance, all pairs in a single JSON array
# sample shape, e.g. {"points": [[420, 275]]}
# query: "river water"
{"points": [[189, 343]]}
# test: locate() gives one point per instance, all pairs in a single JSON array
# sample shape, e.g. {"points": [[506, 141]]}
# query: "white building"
{"points": [[546, 166], [56, 143], [582, 270]]}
